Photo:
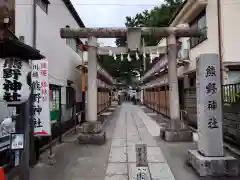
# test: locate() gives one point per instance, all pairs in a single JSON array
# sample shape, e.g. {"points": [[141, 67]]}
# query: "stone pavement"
{"points": [[130, 130], [116, 160], [77, 162]]}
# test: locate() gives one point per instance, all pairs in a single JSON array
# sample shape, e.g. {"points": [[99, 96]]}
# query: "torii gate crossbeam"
{"points": [[122, 32]]}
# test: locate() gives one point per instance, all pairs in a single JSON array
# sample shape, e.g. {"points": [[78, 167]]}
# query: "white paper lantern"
{"points": [[13, 81]]}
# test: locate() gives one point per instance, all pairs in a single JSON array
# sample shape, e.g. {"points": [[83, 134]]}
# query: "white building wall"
{"points": [[231, 29], [210, 45], [230, 33], [62, 59], [230, 10], [24, 19]]}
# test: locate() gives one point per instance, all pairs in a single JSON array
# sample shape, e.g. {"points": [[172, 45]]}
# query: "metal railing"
{"points": [[231, 93]]}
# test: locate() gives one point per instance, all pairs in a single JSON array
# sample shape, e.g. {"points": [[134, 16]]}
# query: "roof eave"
{"points": [[74, 13]]}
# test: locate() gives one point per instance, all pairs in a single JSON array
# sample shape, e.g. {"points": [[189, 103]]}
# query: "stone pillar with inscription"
{"points": [[91, 129], [209, 159]]}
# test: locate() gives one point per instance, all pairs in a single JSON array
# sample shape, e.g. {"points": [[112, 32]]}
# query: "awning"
{"points": [[15, 48]]}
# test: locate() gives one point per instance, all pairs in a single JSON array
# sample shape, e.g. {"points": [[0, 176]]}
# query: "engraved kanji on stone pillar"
{"points": [[209, 105]]}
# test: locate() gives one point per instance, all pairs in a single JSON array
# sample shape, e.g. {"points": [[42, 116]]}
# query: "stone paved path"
{"points": [[115, 160], [176, 153], [77, 162], [130, 130]]}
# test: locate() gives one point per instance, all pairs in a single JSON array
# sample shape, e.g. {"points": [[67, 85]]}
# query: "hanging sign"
{"points": [[17, 141], [13, 80], [41, 110]]}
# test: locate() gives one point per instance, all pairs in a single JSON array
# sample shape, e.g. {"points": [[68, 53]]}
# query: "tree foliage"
{"points": [[159, 16]]}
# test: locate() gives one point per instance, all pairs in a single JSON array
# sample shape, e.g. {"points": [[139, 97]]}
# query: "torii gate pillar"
{"points": [[91, 130], [173, 80], [176, 130], [92, 80]]}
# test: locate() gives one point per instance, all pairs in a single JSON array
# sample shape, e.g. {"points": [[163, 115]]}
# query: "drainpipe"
{"points": [[32, 143], [220, 41], [34, 23], [220, 51]]}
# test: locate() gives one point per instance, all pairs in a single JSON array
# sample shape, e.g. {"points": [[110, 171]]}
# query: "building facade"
{"points": [[219, 36], [63, 55], [219, 26]]}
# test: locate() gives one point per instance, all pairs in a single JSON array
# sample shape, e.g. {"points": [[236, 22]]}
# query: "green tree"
{"points": [[159, 16]]}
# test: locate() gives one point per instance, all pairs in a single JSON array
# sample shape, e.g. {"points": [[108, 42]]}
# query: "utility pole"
{"points": [[144, 68], [32, 152]]}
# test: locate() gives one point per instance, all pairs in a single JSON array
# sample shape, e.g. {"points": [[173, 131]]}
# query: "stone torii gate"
{"points": [[133, 45]]}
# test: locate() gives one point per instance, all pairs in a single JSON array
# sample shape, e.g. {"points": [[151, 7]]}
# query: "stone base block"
{"points": [[94, 138], [213, 166], [162, 132], [90, 127], [177, 135]]}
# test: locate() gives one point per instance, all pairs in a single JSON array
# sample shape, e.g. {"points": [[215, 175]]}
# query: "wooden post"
{"points": [[83, 103]]}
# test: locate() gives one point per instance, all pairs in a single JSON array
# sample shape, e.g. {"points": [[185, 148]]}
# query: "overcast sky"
{"points": [[110, 13]]}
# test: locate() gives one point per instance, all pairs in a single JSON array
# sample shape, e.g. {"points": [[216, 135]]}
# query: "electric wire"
{"points": [[233, 2], [85, 4]]}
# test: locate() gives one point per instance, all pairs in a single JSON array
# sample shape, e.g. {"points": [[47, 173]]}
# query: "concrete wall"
{"points": [[231, 29]]}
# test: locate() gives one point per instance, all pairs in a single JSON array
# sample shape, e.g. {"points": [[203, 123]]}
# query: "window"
{"points": [[70, 96], [43, 4], [192, 81], [200, 23], [55, 101]]}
